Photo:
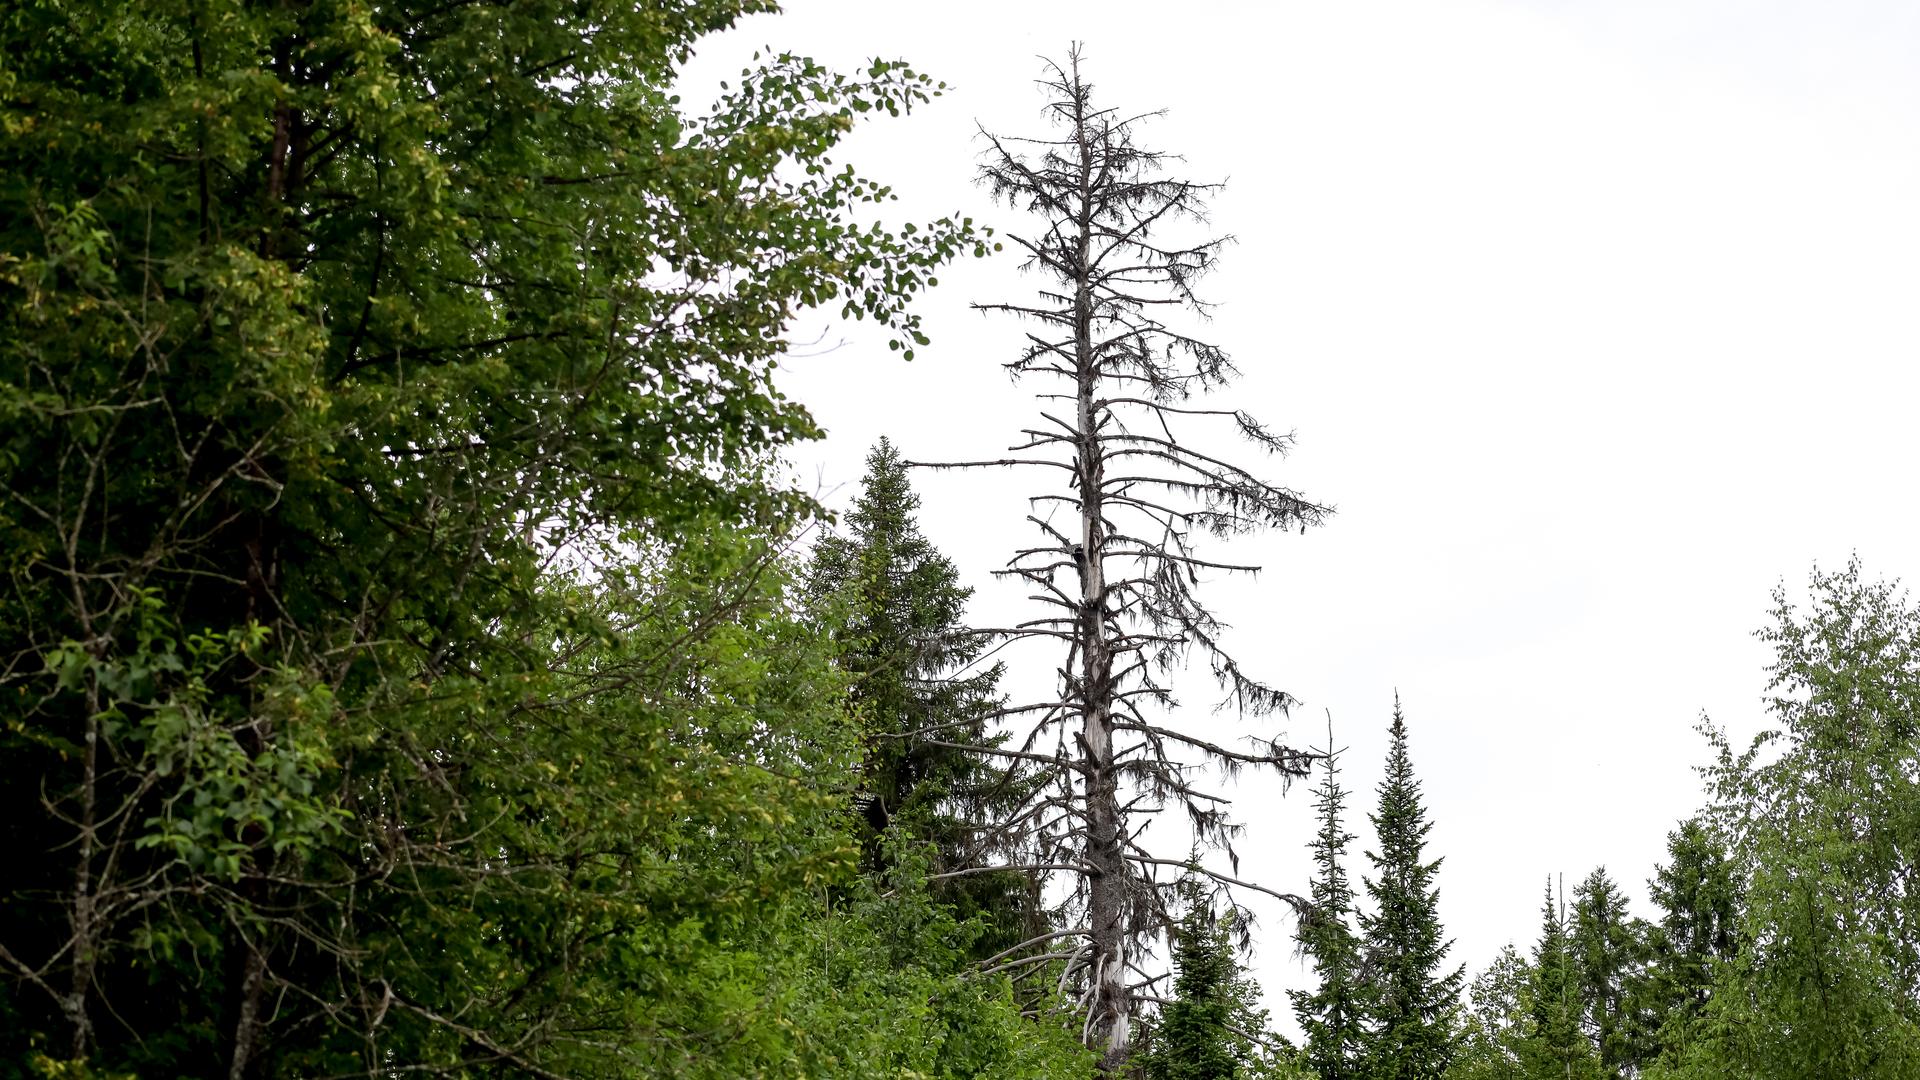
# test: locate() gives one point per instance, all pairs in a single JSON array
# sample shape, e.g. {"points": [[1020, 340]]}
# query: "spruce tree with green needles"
{"points": [[1608, 949], [1331, 1015], [904, 644], [1412, 999], [917, 694], [1194, 1038], [1556, 1048], [1697, 891]]}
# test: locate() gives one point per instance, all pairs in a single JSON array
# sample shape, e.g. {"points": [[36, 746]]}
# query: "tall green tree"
{"points": [[1697, 891], [920, 703], [1194, 1039], [1608, 947], [1823, 813], [1555, 1048], [338, 341], [1412, 996], [1332, 1015], [904, 643]]}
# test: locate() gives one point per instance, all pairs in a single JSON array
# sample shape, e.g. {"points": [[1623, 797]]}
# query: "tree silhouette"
{"points": [[1116, 580]]}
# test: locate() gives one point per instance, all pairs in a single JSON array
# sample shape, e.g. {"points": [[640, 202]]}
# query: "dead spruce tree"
{"points": [[1117, 579]]}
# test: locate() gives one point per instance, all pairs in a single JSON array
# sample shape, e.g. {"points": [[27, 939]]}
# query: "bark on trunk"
{"points": [[1109, 1011], [83, 913], [246, 1024]]}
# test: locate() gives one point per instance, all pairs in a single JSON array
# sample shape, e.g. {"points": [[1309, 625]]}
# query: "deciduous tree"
{"points": [[1496, 1022], [337, 341], [1823, 815]]}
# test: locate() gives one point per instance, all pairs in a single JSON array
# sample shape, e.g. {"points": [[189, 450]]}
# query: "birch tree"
{"points": [[1116, 565]]}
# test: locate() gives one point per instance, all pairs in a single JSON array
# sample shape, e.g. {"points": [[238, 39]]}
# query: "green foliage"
{"points": [[865, 982], [909, 657], [1411, 999], [1331, 1015], [1554, 1047], [1607, 946], [906, 649], [1823, 817], [395, 639], [1496, 1022], [1213, 1028], [1192, 1040], [1698, 893]]}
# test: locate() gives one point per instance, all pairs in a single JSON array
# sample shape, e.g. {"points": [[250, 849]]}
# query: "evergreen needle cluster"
{"points": [[1385, 1004]]}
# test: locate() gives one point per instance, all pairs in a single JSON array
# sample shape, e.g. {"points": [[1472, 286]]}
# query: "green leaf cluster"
{"points": [[403, 667]]}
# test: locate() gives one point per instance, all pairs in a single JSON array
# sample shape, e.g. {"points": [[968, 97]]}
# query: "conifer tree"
{"points": [[1698, 893], [1194, 1040], [1331, 1015], [904, 644], [1214, 1028], [1412, 998], [1607, 948], [1556, 1048], [921, 703]]}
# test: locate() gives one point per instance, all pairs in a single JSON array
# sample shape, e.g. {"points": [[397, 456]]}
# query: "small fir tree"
{"points": [[1556, 1048], [1412, 999], [1330, 1015], [1194, 1039], [1697, 891], [1608, 946]]}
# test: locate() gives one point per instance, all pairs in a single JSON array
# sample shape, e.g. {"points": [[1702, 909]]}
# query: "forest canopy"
{"points": [[414, 658]]}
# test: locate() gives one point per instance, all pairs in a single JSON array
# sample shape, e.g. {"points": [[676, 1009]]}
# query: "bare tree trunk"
{"points": [[83, 914], [85, 911], [1106, 839], [246, 1024]]}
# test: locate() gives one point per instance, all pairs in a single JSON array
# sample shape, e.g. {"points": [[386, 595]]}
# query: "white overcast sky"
{"points": [[1594, 319]]}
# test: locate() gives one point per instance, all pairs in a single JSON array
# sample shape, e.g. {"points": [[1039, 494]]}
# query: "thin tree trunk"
{"points": [[83, 915], [85, 911], [246, 1024]]}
